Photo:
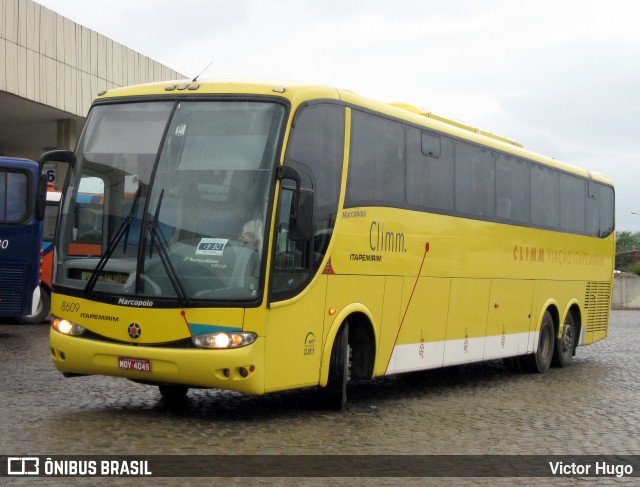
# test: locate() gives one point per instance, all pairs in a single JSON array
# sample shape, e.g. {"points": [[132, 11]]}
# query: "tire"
{"points": [[173, 394], [566, 344], [334, 394], [540, 360], [44, 306]]}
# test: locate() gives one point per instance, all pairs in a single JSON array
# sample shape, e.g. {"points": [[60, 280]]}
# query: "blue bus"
{"points": [[22, 204]]}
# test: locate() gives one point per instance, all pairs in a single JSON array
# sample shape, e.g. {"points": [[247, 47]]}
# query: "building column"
{"points": [[67, 133]]}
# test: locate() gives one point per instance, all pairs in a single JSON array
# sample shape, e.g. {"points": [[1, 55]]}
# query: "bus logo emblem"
{"points": [[134, 330], [309, 344]]}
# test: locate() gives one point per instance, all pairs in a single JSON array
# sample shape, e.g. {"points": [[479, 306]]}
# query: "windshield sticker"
{"points": [[211, 246]]}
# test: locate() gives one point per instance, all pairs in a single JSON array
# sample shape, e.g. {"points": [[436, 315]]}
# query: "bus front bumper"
{"points": [[239, 369]]}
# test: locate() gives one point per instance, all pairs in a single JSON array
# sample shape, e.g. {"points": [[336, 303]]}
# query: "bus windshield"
{"points": [[169, 199]]}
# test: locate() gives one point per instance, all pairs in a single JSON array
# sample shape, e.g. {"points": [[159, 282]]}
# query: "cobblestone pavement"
{"points": [[592, 407]]}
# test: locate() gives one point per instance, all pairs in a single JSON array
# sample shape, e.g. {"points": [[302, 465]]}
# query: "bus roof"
{"points": [[298, 93], [455, 123]]}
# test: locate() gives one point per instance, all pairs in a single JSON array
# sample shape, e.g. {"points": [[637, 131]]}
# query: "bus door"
{"points": [[311, 180], [295, 327]]}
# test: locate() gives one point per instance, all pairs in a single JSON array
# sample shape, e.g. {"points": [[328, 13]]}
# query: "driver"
{"points": [[251, 233]]}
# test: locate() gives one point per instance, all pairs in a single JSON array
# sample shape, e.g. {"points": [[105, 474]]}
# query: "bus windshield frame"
{"points": [[168, 200]]}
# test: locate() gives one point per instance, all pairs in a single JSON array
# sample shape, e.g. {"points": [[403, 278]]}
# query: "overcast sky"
{"points": [[560, 76]]}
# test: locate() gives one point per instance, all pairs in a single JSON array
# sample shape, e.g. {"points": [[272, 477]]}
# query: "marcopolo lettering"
{"points": [[354, 214], [147, 303]]}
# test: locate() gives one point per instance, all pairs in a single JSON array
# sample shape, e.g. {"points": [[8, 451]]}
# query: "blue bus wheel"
{"points": [[42, 311]]}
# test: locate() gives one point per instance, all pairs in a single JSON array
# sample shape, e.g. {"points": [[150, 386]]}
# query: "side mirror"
{"points": [[41, 197], [60, 155], [301, 214]]}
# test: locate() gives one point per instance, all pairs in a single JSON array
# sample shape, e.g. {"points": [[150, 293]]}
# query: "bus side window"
{"points": [[290, 265], [290, 255], [14, 203], [88, 218]]}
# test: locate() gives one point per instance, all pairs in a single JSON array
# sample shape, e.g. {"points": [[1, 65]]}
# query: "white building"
{"points": [[50, 71]]}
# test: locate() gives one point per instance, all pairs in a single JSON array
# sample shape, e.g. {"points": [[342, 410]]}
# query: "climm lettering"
{"points": [[528, 254], [381, 240], [559, 257]]}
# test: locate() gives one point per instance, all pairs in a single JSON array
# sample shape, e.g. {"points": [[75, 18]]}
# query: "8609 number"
{"points": [[70, 306]]}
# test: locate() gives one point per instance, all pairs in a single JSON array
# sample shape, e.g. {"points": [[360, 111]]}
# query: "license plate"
{"points": [[136, 364]]}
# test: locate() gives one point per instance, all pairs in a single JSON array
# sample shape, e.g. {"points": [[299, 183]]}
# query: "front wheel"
{"points": [[566, 344], [334, 394], [42, 309], [540, 360]]}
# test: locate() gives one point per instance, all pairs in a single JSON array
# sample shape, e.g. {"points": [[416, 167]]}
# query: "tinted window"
{"points": [[475, 181], [593, 209], [545, 197], [14, 196], [429, 179], [573, 195], [606, 210], [316, 149], [317, 143], [430, 144], [512, 189], [376, 167], [444, 175]]}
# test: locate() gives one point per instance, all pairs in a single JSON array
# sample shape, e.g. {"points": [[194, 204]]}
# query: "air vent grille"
{"points": [[597, 303]]}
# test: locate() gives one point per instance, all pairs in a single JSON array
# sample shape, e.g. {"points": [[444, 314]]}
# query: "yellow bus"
{"points": [[259, 237]]}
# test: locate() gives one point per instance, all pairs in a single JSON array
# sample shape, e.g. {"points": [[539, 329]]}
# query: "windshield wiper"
{"points": [[122, 230], [129, 220], [160, 243]]}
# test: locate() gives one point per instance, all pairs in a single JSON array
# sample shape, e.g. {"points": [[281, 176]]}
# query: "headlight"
{"points": [[224, 340], [67, 327]]}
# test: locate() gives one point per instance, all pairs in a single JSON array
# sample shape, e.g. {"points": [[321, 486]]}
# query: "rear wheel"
{"points": [[566, 344], [334, 394], [540, 360]]}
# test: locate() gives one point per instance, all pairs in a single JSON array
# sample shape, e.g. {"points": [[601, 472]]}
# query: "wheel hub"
{"points": [[567, 337]]}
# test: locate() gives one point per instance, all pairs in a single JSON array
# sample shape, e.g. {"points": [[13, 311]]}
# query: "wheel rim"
{"points": [[567, 337], [39, 308]]}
